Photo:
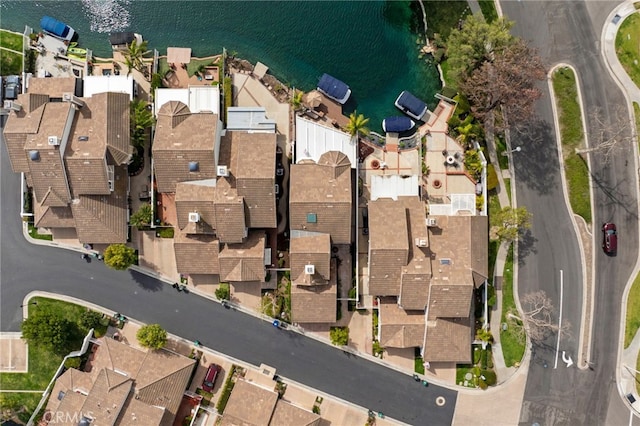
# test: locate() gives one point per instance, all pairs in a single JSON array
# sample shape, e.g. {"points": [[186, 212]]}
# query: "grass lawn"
{"points": [[493, 253], [448, 82], [33, 232], [418, 365], [10, 62], [512, 347], [23, 403], [571, 134], [11, 40], [627, 46], [638, 375], [633, 313], [166, 232], [444, 16], [507, 187], [501, 146], [488, 8], [494, 207], [43, 363], [636, 113]]}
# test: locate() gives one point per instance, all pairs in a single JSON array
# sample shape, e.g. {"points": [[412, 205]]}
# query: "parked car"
{"points": [[209, 380], [609, 238], [12, 87]]}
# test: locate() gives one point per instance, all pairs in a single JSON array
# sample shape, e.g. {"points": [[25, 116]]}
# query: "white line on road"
{"points": [[559, 318]]}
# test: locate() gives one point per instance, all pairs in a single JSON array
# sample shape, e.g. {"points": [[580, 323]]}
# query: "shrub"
{"points": [[156, 82], [152, 336], [492, 178], [142, 217], [166, 232], [316, 410], [48, 330], [223, 292], [90, 319], [489, 377], [473, 163], [479, 202], [377, 349], [339, 335], [448, 91], [226, 391], [73, 362]]}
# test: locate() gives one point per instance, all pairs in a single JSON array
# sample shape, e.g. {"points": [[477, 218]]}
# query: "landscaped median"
{"points": [[632, 324], [627, 46], [571, 128]]}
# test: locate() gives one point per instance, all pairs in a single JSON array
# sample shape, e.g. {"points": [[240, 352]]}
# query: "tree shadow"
{"points": [[536, 166], [526, 246], [146, 282], [616, 195]]}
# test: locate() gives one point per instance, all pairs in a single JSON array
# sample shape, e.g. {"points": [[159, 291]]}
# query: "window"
{"points": [[194, 166], [312, 218]]}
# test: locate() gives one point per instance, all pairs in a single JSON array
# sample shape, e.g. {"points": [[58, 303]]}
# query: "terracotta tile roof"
{"points": [[450, 301], [48, 170], [449, 340], [243, 261], [251, 162], [196, 197], [459, 245], [400, 328], [315, 303], [53, 86], [324, 191], [160, 377], [182, 138], [230, 213], [249, 405], [290, 415], [196, 254], [103, 219], [310, 250]]}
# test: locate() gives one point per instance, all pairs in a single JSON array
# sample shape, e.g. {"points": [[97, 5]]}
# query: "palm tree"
{"points": [[296, 100], [134, 56], [141, 119], [357, 124], [467, 134]]}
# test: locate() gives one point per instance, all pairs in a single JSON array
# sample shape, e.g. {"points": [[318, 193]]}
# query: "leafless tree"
{"points": [[537, 319], [609, 136]]}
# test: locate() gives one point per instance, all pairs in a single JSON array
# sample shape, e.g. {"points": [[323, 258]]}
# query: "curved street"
{"points": [[570, 32], [25, 267]]}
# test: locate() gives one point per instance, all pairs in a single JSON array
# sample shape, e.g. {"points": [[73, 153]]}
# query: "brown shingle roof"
{"points": [[414, 291], [107, 396], [310, 250], [53, 217], [400, 328], [230, 213], [315, 303], [290, 415], [450, 301], [449, 340], [196, 197], [243, 261], [322, 191], [180, 139], [196, 254], [103, 218], [53, 86], [251, 162], [249, 405]]}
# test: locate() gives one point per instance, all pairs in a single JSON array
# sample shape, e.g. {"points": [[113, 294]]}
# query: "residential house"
{"points": [[320, 196], [424, 277], [313, 278], [74, 153], [251, 404], [122, 386]]}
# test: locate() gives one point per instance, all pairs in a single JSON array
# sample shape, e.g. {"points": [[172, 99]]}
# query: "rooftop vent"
{"points": [[421, 242], [53, 141], [70, 97], [309, 269], [83, 138], [312, 218], [432, 221], [194, 217], [194, 166], [223, 171], [34, 155], [445, 261]]}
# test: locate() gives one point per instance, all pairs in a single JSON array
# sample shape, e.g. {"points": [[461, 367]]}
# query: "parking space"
{"points": [[13, 353]]}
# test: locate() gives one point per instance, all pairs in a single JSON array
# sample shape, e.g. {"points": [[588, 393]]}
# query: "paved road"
{"points": [[25, 267], [570, 32]]}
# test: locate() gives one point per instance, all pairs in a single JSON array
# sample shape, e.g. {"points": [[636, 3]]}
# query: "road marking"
{"points": [[559, 317], [567, 359]]}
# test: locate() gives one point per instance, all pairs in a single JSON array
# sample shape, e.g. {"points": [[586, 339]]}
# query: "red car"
{"points": [[609, 238], [210, 378]]}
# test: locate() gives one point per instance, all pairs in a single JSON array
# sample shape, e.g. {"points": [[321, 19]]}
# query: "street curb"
{"points": [[565, 192]]}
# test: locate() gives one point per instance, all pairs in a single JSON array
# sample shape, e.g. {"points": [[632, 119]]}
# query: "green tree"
{"points": [[152, 336], [134, 56], [119, 256], [509, 223], [223, 292], [48, 330], [339, 336], [142, 217], [357, 124], [90, 319], [473, 163], [141, 119], [296, 100], [476, 43]]}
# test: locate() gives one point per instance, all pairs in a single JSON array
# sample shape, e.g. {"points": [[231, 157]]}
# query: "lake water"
{"points": [[366, 44]]}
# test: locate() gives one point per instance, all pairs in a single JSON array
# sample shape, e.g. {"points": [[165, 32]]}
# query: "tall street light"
{"points": [[516, 149], [27, 304]]}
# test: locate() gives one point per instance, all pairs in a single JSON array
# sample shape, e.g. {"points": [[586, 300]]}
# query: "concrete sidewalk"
{"points": [[629, 377]]}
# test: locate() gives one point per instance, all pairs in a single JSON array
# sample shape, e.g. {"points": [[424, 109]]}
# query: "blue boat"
{"points": [[411, 105], [57, 29], [334, 88], [397, 124]]}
